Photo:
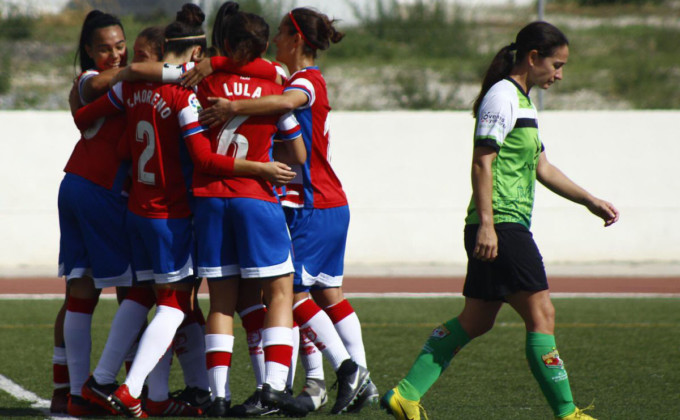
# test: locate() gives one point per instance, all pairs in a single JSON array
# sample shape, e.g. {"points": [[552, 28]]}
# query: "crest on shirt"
{"points": [[194, 104]]}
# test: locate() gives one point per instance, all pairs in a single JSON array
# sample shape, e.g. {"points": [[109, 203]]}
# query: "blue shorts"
{"points": [[93, 241], [319, 239], [241, 237], [162, 249]]}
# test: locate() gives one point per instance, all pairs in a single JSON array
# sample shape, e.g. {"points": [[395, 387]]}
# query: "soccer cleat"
{"points": [[313, 395], [579, 414], [59, 402], [80, 407], [97, 393], [400, 407], [253, 407], [283, 401], [194, 396], [172, 408], [123, 402], [352, 380], [368, 397], [218, 408]]}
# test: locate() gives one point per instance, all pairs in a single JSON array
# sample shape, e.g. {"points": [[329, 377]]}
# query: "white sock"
{"points": [[316, 325], [158, 378], [347, 324], [59, 368], [153, 345], [78, 340], [311, 359], [293, 360], [278, 348], [125, 328], [250, 316], [190, 349], [219, 348]]}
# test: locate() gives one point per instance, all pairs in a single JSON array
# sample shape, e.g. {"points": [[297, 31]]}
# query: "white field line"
{"points": [[18, 392], [610, 295]]}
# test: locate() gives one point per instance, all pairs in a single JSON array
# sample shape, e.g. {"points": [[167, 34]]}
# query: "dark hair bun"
{"points": [[229, 8], [191, 15], [93, 14]]}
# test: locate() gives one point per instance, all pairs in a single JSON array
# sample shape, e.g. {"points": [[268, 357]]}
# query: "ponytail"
{"points": [[540, 36], [228, 8], [500, 68], [316, 29]]}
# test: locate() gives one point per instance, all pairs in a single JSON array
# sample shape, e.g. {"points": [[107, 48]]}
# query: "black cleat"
{"points": [[194, 396], [253, 407], [97, 393], [218, 408], [352, 380], [283, 401], [368, 397]]}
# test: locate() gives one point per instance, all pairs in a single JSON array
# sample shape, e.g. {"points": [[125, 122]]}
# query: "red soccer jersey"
{"points": [[94, 156], [159, 116], [245, 137], [316, 185]]}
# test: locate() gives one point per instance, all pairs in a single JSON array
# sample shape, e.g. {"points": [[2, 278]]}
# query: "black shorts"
{"points": [[518, 266]]}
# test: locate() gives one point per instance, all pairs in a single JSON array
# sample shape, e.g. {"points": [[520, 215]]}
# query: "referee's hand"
{"points": [[486, 247]]}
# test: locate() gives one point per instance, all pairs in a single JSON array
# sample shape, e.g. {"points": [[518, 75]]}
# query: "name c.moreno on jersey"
{"points": [[148, 96]]}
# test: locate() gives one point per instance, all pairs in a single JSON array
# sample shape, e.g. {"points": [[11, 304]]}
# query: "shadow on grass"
{"points": [[20, 412]]}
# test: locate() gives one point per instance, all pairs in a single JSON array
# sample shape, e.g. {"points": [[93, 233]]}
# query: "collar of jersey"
{"points": [[305, 69], [514, 82]]}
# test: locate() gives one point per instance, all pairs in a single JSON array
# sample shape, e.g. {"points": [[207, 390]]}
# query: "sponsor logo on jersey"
{"points": [[490, 119]]}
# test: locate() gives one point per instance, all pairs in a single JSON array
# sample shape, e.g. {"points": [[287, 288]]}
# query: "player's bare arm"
{"points": [[98, 85], [222, 109], [486, 248], [556, 181]]}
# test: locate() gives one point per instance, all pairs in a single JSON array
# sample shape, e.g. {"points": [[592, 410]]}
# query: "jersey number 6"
{"points": [[231, 143]]}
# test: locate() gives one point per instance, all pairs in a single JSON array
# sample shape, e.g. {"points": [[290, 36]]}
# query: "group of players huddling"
{"points": [[194, 163]]}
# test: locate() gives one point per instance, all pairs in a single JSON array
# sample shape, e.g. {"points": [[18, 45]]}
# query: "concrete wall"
{"points": [[407, 178]]}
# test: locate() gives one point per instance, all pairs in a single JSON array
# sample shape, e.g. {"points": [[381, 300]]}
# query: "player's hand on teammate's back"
{"points": [[200, 71], [218, 113], [604, 210], [278, 173]]}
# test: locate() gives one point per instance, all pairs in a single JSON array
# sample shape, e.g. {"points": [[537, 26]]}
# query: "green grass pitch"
{"points": [[623, 353]]}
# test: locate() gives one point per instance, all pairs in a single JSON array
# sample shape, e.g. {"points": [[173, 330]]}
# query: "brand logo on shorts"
{"points": [[552, 360]]}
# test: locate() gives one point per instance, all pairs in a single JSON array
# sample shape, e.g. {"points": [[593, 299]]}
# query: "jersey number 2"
{"points": [[145, 134]]}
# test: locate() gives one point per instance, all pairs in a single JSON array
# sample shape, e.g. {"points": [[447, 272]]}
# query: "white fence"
{"points": [[407, 178]]}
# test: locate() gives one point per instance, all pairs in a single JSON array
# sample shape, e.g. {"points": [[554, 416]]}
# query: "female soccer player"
{"points": [[240, 227], [159, 215], [134, 307], [317, 214], [93, 249], [504, 264]]}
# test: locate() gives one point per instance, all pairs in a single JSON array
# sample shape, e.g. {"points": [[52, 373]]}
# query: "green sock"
{"points": [[445, 341], [548, 369]]}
